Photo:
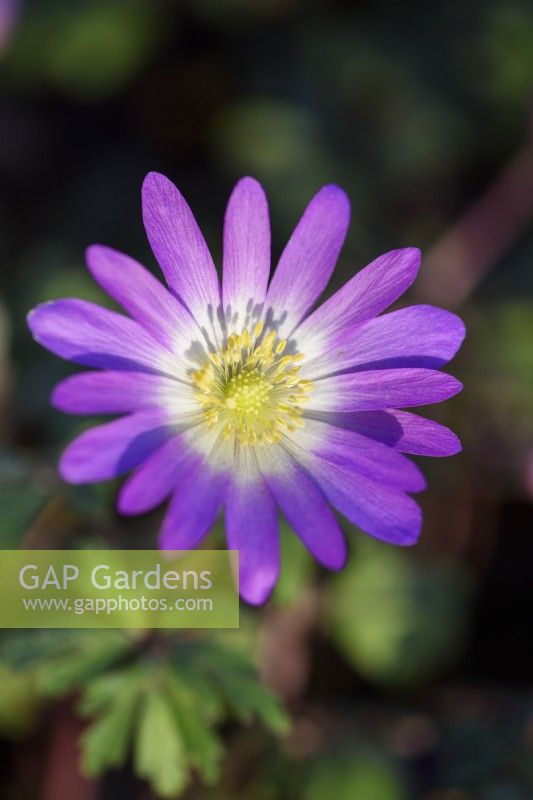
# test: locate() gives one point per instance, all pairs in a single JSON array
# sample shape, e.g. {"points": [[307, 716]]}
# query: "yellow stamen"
{"points": [[251, 390]]}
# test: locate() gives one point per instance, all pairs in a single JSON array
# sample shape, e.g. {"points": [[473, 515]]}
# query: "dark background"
{"points": [[407, 676]]}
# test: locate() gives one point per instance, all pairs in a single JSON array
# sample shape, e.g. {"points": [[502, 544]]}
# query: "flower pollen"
{"points": [[251, 389]]}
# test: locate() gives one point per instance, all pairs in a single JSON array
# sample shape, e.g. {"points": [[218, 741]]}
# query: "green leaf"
{"points": [[235, 680], [168, 707], [209, 702], [248, 698], [203, 746], [102, 691], [105, 743], [159, 753], [89, 654], [31, 648]]}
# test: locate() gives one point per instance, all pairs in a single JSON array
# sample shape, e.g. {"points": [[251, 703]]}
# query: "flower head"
{"points": [[241, 396]]}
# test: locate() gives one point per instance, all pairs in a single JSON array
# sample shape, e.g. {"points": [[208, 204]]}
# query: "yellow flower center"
{"points": [[248, 392], [251, 389]]}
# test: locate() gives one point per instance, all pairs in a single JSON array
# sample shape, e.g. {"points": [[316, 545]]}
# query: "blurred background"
{"points": [[408, 675]]}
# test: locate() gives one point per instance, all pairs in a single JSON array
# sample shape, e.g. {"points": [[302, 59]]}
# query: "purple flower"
{"points": [[245, 398]]}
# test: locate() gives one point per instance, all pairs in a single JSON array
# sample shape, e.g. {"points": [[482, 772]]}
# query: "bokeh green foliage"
{"points": [[157, 697], [20, 702], [500, 364], [399, 622], [23, 494], [505, 44], [346, 774], [89, 50], [297, 568]]}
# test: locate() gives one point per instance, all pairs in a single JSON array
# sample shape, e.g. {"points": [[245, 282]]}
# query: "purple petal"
{"points": [[155, 480], [252, 529], [143, 297], [380, 511], [193, 509], [417, 336], [246, 251], [424, 437], [374, 390], [96, 337], [401, 430], [309, 514], [309, 258], [366, 295], [120, 393], [361, 454], [109, 450], [180, 248]]}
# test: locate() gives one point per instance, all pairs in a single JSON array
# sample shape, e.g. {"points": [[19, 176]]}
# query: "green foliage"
{"points": [[353, 775], [297, 567], [278, 141], [159, 751], [506, 53], [500, 369], [150, 695], [90, 50], [111, 699], [22, 496], [225, 679], [202, 745], [86, 655], [60, 275], [149, 706], [169, 707], [20, 702], [397, 621]]}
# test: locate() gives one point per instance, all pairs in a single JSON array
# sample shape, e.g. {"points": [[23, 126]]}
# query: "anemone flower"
{"points": [[244, 396]]}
